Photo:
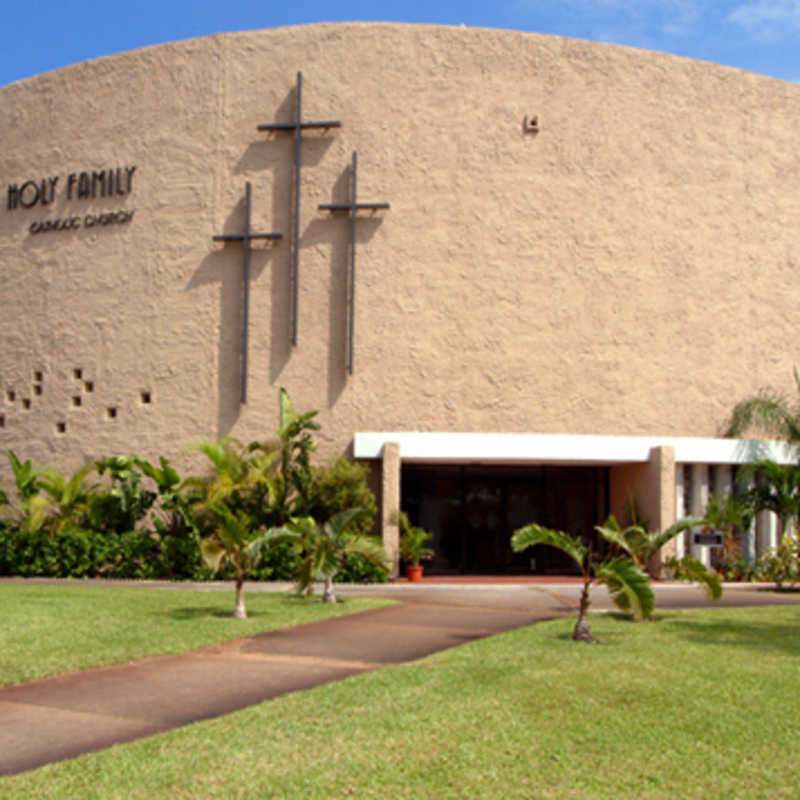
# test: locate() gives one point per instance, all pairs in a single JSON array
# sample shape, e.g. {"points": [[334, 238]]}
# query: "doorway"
{"points": [[472, 511]]}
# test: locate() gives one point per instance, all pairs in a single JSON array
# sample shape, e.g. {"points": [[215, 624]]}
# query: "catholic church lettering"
{"points": [[85, 185]]}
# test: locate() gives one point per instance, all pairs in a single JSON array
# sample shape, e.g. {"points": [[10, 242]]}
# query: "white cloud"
{"points": [[767, 19]]}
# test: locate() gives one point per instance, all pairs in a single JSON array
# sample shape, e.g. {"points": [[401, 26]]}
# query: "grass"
{"points": [[701, 704], [48, 630]]}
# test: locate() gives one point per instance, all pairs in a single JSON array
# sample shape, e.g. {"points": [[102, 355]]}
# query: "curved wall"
{"points": [[629, 269]]}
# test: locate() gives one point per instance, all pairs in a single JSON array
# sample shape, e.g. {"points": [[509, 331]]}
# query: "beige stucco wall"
{"points": [[630, 269]]}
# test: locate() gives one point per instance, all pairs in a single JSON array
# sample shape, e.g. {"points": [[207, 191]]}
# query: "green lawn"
{"points": [[699, 704], [47, 630]]}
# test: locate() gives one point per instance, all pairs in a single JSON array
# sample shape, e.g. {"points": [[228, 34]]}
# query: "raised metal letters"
{"points": [[84, 185]]}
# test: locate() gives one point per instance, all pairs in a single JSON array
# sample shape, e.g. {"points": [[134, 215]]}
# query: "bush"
{"points": [[359, 569], [337, 486]]}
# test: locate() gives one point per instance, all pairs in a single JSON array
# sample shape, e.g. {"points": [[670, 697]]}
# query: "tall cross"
{"points": [[352, 208], [245, 238], [298, 126]]}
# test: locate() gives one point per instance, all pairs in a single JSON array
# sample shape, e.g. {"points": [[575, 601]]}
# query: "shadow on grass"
{"points": [[760, 636], [206, 612]]}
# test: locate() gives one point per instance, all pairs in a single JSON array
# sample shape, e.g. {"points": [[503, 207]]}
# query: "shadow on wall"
{"points": [[225, 265], [335, 229], [274, 151]]}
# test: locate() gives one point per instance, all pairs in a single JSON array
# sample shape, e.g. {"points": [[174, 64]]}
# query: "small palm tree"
{"points": [[642, 545], [232, 542], [324, 548], [627, 584]]}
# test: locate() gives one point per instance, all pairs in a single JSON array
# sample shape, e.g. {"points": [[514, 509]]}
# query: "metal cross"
{"points": [[298, 126], [245, 238], [352, 208]]}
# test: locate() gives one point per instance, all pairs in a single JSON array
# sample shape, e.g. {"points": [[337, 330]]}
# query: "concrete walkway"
{"points": [[62, 717]]}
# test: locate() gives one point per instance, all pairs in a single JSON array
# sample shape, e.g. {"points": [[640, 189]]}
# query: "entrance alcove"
{"points": [[472, 511]]}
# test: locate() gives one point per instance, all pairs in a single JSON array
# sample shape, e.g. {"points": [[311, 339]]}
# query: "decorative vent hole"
{"points": [[78, 373], [61, 427], [11, 395], [88, 386], [26, 403], [146, 398], [37, 388], [77, 400], [111, 411], [38, 376]]}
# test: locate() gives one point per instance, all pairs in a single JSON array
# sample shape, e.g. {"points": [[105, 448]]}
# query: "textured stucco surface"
{"points": [[630, 269]]}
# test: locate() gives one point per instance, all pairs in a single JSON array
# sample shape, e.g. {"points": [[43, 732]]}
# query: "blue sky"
{"points": [[758, 35]]}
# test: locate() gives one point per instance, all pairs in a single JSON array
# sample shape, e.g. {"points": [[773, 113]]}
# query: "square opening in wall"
{"points": [[26, 403], [111, 412], [61, 427], [88, 386], [78, 373], [146, 398], [2, 421], [77, 400], [11, 395], [37, 389], [38, 376]]}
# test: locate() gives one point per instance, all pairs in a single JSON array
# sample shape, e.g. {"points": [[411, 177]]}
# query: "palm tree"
{"points": [[642, 545], [769, 411], [232, 542], [775, 487], [230, 503], [324, 548], [627, 584]]}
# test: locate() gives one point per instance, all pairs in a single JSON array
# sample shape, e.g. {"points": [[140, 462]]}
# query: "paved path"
{"points": [[62, 717]]}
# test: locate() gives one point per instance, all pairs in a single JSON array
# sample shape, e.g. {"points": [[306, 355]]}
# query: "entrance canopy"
{"points": [[566, 449]]}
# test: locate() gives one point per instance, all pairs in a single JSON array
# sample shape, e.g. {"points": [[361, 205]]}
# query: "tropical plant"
{"points": [[640, 543], [296, 446], [232, 542], [228, 506], [773, 487], [338, 485], [124, 502], [768, 411], [324, 547], [627, 584], [29, 512], [413, 540], [695, 571], [69, 500]]}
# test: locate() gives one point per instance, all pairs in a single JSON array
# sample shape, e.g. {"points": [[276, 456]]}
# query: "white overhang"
{"points": [[542, 448]]}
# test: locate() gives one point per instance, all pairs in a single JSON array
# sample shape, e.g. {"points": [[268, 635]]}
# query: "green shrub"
{"points": [[337, 486], [359, 569]]}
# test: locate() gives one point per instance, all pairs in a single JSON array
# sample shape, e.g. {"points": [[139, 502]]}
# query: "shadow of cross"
{"points": [[245, 238], [297, 127], [352, 208]]}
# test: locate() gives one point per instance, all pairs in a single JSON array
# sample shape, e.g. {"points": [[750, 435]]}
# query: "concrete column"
{"points": [[697, 506], [750, 539], [768, 525], [390, 503], [680, 505], [723, 480]]}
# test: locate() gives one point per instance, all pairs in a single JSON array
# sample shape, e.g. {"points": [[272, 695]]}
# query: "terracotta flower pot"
{"points": [[414, 573]]}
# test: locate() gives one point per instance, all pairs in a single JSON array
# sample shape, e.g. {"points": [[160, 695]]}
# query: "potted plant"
{"points": [[412, 546]]}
